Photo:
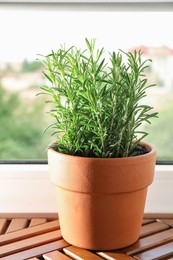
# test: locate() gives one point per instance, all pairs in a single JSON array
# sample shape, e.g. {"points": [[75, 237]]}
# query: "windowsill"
{"points": [[27, 189]]}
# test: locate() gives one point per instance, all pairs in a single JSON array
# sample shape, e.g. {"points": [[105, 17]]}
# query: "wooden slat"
{"points": [[147, 243], [33, 258], [31, 215], [29, 243], [153, 228], [17, 224], [115, 255], [3, 225], [39, 238], [157, 253], [80, 254], [158, 215], [147, 221], [167, 221], [55, 255], [29, 232], [37, 221], [37, 251]]}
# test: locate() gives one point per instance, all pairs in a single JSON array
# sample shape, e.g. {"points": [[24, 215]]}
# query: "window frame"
{"points": [[26, 189], [34, 173], [87, 5]]}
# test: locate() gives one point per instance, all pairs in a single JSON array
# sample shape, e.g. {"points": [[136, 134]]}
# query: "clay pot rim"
{"points": [[104, 169], [150, 147]]}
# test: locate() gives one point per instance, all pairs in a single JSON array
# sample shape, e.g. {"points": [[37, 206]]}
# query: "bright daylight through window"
{"points": [[24, 34]]}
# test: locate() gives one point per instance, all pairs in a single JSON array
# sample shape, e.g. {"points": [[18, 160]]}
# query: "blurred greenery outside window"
{"points": [[23, 115]]}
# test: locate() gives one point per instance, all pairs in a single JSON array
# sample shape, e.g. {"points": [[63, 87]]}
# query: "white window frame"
{"points": [[25, 188]]}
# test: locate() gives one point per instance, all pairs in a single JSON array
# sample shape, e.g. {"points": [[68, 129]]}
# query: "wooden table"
{"points": [[40, 238]]}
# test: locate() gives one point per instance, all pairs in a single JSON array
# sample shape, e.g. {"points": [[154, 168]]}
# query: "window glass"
{"points": [[24, 34]]}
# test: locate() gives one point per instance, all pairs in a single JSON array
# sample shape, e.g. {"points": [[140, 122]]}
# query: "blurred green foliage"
{"points": [[161, 133], [30, 66], [21, 126]]}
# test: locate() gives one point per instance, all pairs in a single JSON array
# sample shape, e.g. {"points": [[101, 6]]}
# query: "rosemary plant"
{"points": [[97, 105]]}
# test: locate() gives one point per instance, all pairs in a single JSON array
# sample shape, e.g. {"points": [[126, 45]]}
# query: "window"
{"points": [[31, 29]]}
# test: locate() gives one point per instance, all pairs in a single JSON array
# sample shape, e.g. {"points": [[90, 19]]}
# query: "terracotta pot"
{"points": [[101, 200]]}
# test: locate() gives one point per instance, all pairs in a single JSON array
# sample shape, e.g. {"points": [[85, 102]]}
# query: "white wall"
{"points": [[27, 189]]}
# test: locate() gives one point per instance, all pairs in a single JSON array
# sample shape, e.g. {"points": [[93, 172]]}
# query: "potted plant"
{"points": [[98, 161]]}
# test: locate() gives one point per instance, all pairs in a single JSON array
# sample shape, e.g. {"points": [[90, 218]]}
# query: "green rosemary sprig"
{"points": [[98, 106]]}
